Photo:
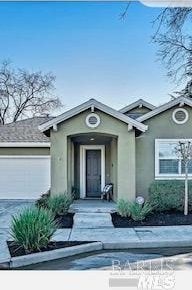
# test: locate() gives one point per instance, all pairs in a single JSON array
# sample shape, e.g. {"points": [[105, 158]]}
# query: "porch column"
{"points": [[126, 166], [59, 167], [70, 167]]}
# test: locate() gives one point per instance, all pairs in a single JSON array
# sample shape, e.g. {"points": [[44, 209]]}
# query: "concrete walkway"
{"points": [[92, 214], [92, 221], [125, 238], [93, 206], [97, 226]]}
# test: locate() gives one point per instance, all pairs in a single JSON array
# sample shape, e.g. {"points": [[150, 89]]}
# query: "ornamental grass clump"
{"points": [[43, 200], [139, 212], [59, 204], [123, 208], [33, 228]]}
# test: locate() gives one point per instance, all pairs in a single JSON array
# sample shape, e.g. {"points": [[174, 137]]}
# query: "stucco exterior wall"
{"points": [[160, 127], [125, 168], [24, 151]]}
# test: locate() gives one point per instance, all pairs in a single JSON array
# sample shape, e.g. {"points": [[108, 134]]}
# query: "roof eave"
{"points": [[165, 107], [136, 104], [110, 111]]}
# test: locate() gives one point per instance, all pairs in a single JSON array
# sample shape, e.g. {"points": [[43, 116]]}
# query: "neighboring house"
{"points": [[93, 144]]}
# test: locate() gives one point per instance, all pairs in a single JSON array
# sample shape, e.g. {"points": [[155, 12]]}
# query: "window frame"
{"points": [[186, 116], [159, 175]]}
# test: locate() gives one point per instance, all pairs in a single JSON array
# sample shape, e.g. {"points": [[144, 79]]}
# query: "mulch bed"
{"points": [[65, 221], [16, 251], [169, 218]]}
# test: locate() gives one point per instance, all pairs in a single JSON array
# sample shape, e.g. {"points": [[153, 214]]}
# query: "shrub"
{"points": [[75, 193], [169, 195], [59, 204], [42, 201], [139, 212], [123, 208], [133, 209], [33, 228]]}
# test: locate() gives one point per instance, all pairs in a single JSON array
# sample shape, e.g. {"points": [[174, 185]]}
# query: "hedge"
{"points": [[169, 194]]}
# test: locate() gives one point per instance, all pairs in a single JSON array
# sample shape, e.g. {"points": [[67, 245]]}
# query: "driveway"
{"points": [[8, 208]]}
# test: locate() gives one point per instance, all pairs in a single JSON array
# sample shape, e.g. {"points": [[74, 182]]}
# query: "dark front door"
{"points": [[93, 173]]}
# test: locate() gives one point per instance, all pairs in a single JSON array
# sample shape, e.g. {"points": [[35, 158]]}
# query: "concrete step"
{"points": [[92, 220], [92, 206]]}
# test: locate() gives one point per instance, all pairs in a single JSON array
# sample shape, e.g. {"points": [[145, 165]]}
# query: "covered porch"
{"points": [[93, 145], [92, 164]]}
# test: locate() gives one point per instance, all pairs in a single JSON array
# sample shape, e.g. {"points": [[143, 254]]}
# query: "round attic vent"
{"points": [[180, 116], [92, 120]]}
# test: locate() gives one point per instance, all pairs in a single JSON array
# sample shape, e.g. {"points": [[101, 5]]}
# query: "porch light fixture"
{"points": [[92, 139], [140, 200], [92, 120]]}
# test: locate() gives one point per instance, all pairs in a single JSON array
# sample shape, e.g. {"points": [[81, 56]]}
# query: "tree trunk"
{"points": [[186, 190]]}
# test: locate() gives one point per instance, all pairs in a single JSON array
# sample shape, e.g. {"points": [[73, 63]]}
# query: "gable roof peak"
{"points": [[86, 105], [139, 102], [179, 100]]}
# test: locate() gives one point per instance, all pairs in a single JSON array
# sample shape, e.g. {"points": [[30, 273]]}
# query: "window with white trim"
{"points": [[167, 164]]}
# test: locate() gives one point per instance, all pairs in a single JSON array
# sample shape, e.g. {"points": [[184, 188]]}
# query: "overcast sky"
{"points": [[91, 51]]}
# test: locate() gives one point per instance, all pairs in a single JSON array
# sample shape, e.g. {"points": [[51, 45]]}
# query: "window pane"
{"points": [[168, 166], [189, 167], [167, 150]]}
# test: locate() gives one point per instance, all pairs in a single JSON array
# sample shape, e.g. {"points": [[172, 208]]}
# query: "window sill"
{"points": [[172, 177]]}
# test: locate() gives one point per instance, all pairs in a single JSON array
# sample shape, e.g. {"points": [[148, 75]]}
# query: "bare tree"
{"points": [[184, 152], [175, 42], [24, 94]]}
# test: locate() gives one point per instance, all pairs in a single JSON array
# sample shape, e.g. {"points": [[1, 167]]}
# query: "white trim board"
{"points": [[181, 101], [138, 103], [91, 104], [24, 144], [83, 149]]}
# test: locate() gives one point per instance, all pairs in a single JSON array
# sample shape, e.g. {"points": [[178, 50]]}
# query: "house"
{"points": [[94, 144]]}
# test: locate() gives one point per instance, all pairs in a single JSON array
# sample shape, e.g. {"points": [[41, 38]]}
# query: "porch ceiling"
{"points": [[92, 139]]}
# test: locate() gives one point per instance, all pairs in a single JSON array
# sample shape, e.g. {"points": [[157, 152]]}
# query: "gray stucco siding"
{"points": [[159, 127]]}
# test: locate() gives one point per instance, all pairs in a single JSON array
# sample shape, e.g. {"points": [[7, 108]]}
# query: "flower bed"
{"points": [[16, 251], [167, 218], [65, 221]]}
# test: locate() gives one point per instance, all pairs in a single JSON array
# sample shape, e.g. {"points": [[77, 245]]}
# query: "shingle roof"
{"points": [[24, 131]]}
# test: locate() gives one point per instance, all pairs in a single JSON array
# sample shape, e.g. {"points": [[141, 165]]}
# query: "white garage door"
{"points": [[24, 177]]}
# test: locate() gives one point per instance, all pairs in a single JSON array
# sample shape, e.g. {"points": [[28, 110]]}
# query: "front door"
{"points": [[93, 173]]}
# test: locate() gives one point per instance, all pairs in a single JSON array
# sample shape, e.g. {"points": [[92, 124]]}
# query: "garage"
{"points": [[24, 177]]}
